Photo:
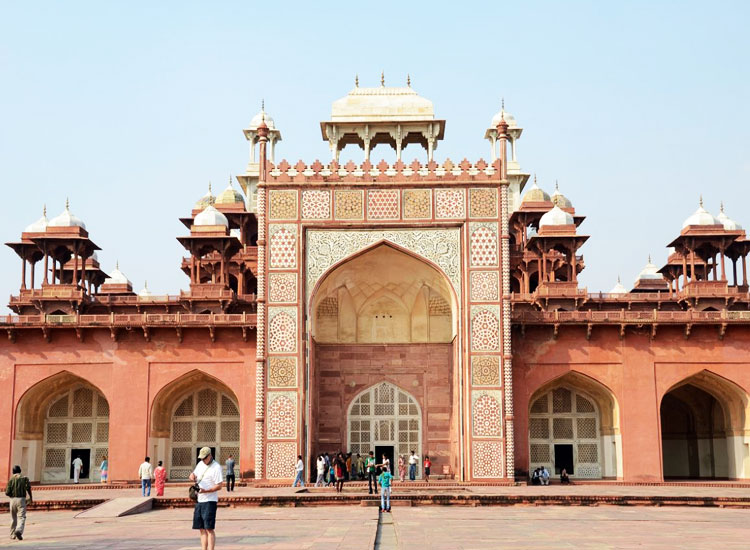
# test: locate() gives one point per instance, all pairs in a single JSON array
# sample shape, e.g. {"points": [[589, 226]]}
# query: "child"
{"points": [[385, 484], [427, 466]]}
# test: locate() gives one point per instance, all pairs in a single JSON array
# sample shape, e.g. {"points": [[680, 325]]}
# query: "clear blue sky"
{"points": [[131, 108]]}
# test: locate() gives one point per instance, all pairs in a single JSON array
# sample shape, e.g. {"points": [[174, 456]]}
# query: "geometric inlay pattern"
{"points": [[450, 203], [283, 205], [282, 329], [485, 371], [417, 203], [282, 372], [349, 205], [487, 458], [485, 286], [283, 245], [316, 205], [483, 203], [483, 244], [487, 413], [327, 247], [282, 415], [383, 204], [282, 287], [281, 458], [485, 328]]}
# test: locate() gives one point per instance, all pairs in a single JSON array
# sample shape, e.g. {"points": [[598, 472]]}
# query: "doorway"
{"points": [[564, 458], [85, 456], [386, 450]]}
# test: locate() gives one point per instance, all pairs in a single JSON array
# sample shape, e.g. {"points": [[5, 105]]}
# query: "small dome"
{"points": [[66, 219], [230, 196], [117, 277], [556, 216], [701, 217], [39, 226], [144, 292], [728, 223], [650, 271], [257, 119], [535, 194], [206, 200], [558, 199], [510, 120], [618, 288], [211, 216]]}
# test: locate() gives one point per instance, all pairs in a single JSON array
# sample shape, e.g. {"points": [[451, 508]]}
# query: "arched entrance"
{"points": [[383, 326], [384, 419], [703, 429], [573, 424], [194, 411]]}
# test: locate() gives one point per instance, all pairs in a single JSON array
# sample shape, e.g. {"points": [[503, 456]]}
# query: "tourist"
{"points": [[348, 474], [401, 468], [320, 465], [145, 475], [331, 473], [386, 464], [360, 467], [564, 478], [327, 458], [372, 480], [160, 477], [535, 477], [427, 466], [17, 488], [385, 483], [300, 472], [77, 466], [544, 475], [207, 475], [104, 469], [413, 461], [339, 467], [230, 473]]}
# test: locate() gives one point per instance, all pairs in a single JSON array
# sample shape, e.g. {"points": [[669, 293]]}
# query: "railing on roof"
{"points": [[628, 316], [131, 319]]}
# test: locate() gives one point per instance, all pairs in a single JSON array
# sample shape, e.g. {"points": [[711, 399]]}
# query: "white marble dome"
{"points": [[650, 272], [116, 277], [144, 292], [39, 226], [560, 200], [700, 217], [510, 120], [556, 216], [535, 194], [66, 219], [206, 200], [728, 223], [211, 216], [618, 288], [257, 119]]}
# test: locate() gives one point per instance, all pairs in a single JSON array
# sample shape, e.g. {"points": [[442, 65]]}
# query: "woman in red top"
{"points": [[339, 467], [427, 465]]}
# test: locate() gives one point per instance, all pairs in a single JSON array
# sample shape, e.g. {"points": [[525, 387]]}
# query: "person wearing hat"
{"points": [[208, 476]]}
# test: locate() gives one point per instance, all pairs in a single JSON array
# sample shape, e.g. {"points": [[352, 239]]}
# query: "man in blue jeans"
{"points": [[413, 461], [385, 495], [145, 474]]}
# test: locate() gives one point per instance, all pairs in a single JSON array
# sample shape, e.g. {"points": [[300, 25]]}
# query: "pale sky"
{"points": [[130, 109]]}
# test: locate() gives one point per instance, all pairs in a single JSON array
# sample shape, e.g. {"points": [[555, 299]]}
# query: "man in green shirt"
{"points": [[16, 489], [372, 480]]}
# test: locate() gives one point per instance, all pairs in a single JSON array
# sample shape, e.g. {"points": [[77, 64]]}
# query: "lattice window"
{"points": [[226, 452], [540, 405], [99, 455], [207, 403], [539, 428], [586, 428], [83, 403], [82, 432], [228, 408], [540, 453], [182, 456], [588, 453], [182, 431], [102, 432], [54, 458], [583, 405], [186, 407], [230, 430], [561, 401], [57, 433], [59, 409], [562, 428], [102, 407], [206, 431]]}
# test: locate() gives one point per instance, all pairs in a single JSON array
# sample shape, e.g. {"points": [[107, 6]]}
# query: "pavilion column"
{"points": [[46, 265], [544, 266], [744, 271], [692, 266], [33, 265], [574, 276], [75, 266], [192, 269], [734, 271], [539, 272], [23, 273], [684, 271], [723, 265]]}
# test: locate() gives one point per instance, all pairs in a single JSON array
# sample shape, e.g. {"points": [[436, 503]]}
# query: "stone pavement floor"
{"points": [[418, 528]]}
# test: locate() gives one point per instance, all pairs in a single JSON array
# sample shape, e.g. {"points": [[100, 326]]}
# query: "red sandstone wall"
{"points": [[129, 373], [423, 370], [636, 369]]}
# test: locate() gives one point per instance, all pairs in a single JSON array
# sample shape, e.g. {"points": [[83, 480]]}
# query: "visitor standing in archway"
{"points": [[413, 461], [372, 480]]}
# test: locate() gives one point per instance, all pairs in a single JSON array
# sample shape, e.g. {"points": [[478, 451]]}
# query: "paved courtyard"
{"points": [[429, 527]]}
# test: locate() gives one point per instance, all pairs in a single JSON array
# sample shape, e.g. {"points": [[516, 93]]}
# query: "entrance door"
{"points": [[564, 458], [85, 456], [386, 450]]}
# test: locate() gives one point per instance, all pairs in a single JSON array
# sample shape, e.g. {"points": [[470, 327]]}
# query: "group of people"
{"points": [[541, 476], [158, 476]]}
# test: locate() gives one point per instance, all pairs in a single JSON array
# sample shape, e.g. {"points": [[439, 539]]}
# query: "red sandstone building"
{"points": [[388, 307]]}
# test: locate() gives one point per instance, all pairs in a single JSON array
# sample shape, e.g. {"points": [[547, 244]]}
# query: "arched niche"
{"points": [[705, 428], [383, 295]]}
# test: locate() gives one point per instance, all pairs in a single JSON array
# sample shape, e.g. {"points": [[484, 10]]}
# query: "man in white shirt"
{"points": [[300, 477], [77, 465], [321, 467], [413, 461], [145, 474], [207, 475]]}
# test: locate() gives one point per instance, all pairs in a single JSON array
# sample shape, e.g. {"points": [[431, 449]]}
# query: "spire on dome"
{"points": [[382, 78], [44, 211], [408, 80], [356, 81], [700, 200]]}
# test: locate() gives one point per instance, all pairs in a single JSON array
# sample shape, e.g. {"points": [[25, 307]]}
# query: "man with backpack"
{"points": [[17, 488]]}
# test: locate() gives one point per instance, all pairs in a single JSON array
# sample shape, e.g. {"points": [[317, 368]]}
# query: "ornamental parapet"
{"points": [[383, 172], [630, 317]]}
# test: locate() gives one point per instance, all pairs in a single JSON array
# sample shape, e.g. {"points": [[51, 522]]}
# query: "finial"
{"points": [[145, 284], [618, 280], [701, 200], [408, 80], [67, 204], [502, 104], [649, 258], [230, 179], [262, 105], [356, 81], [534, 178], [117, 265], [557, 188], [209, 188], [721, 207], [382, 78], [44, 210]]}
